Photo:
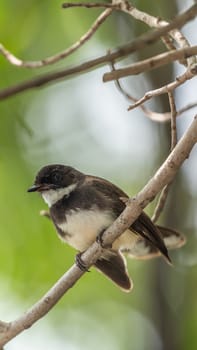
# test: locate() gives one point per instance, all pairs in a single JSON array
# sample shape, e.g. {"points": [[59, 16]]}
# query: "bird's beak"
{"points": [[39, 188], [34, 188]]}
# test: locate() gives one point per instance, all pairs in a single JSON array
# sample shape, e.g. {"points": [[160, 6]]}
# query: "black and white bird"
{"points": [[83, 206]]}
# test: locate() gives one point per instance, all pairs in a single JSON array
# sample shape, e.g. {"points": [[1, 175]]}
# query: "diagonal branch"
{"points": [[163, 176], [150, 63]]}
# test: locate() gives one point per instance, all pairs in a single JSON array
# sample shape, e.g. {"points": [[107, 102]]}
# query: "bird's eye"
{"points": [[56, 177]]}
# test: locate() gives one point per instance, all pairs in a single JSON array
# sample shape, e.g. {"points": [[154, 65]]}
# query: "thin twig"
{"points": [[150, 63], [59, 56], [187, 108], [173, 120], [88, 5], [158, 117], [160, 204], [164, 193], [152, 115], [189, 74], [164, 175]]}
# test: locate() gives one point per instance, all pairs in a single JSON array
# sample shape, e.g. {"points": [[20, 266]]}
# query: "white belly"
{"points": [[82, 227]]}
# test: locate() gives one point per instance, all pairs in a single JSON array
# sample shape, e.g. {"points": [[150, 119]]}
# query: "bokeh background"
{"points": [[84, 123]]}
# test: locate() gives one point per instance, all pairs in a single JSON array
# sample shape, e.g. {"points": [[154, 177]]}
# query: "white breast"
{"points": [[83, 226]]}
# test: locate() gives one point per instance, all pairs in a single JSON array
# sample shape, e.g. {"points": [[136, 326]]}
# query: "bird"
{"points": [[83, 206]]}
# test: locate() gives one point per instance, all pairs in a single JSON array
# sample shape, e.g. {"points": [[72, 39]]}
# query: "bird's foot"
{"points": [[99, 240], [80, 263]]}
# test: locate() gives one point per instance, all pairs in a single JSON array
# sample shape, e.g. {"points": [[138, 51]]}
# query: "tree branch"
{"points": [[60, 55], [163, 176], [122, 5], [88, 5], [189, 74], [150, 63], [154, 22], [155, 116], [164, 194], [120, 53]]}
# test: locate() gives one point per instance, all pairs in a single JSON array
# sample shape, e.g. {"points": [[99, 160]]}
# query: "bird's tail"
{"points": [[113, 265]]}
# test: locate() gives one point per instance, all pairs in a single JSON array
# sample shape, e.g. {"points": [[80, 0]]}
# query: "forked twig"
{"points": [[155, 116], [189, 74], [159, 117], [156, 22]]}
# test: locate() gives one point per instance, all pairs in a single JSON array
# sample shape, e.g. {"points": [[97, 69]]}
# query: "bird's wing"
{"points": [[143, 226], [143, 249], [150, 232]]}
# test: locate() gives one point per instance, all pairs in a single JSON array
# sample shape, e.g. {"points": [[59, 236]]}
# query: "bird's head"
{"points": [[55, 181]]}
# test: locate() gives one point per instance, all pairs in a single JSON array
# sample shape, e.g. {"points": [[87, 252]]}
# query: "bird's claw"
{"points": [[80, 263], [99, 240]]}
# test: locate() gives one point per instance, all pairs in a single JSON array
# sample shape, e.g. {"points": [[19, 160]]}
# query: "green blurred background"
{"points": [[84, 123]]}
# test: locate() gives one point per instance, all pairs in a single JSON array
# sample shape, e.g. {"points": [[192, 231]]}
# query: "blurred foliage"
{"points": [[85, 124]]}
